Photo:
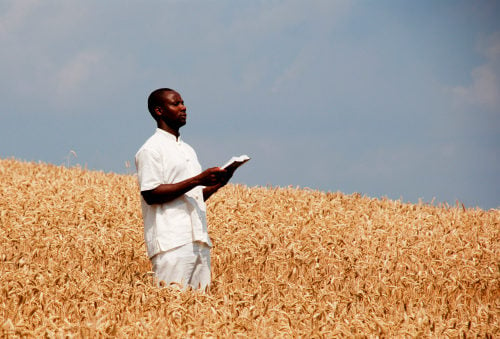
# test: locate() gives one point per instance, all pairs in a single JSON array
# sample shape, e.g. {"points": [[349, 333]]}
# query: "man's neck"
{"points": [[168, 129]]}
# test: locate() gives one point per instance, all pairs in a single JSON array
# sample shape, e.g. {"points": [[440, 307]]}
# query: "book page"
{"points": [[236, 162]]}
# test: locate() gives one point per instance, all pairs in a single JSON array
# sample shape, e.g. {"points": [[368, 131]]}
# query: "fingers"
{"points": [[214, 176]]}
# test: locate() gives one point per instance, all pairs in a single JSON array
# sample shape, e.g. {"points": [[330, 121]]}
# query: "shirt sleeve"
{"points": [[149, 169]]}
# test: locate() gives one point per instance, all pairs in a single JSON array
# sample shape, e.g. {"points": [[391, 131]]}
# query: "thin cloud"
{"points": [[15, 16], [294, 71], [275, 17], [484, 90], [77, 72]]}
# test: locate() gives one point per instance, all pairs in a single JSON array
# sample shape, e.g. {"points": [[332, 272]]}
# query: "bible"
{"points": [[236, 162]]}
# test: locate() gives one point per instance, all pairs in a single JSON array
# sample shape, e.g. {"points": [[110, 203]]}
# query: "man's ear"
{"points": [[158, 111]]}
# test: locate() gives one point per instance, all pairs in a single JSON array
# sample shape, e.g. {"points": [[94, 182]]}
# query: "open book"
{"points": [[236, 162]]}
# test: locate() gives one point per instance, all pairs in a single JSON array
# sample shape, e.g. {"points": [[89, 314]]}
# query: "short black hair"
{"points": [[156, 99]]}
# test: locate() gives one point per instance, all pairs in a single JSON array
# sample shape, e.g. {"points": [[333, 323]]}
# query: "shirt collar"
{"points": [[170, 136]]}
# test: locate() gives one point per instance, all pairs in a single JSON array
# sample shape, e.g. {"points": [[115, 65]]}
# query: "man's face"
{"points": [[173, 111]]}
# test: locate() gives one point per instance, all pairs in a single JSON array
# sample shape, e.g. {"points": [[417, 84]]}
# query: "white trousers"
{"points": [[187, 265]]}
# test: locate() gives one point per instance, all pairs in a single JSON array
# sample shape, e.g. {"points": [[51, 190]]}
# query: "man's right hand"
{"points": [[212, 176]]}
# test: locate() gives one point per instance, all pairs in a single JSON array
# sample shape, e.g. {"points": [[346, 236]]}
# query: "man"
{"points": [[173, 193]]}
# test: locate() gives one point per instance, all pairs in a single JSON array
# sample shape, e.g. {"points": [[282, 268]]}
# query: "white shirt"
{"points": [[164, 159]]}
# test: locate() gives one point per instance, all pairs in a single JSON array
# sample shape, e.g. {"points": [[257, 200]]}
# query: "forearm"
{"points": [[168, 192], [210, 190]]}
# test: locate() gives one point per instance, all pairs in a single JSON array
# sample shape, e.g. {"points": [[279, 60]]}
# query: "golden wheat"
{"points": [[287, 262]]}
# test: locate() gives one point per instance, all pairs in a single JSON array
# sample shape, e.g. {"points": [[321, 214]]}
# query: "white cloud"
{"points": [[15, 16], [44, 53], [31, 20], [280, 15], [484, 91], [491, 46], [272, 25], [294, 71], [75, 73]]}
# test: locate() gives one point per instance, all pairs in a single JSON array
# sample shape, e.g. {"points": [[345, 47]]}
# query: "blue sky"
{"points": [[386, 98]]}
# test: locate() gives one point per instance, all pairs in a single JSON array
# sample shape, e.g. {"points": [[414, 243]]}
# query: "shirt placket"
{"points": [[196, 223]]}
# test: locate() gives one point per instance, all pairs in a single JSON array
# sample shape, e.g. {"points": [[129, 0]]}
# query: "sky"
{"points": [[396, 99]]}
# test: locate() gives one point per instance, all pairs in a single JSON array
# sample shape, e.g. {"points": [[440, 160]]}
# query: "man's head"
{"points": [[167, 107]]}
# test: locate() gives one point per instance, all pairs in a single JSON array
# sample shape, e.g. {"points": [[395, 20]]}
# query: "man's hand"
{"points": [[227, 175], [221, 176], [213, 176]]}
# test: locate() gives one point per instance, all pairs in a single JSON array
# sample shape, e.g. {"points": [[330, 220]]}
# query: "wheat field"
{"points": [[286, 262]]}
